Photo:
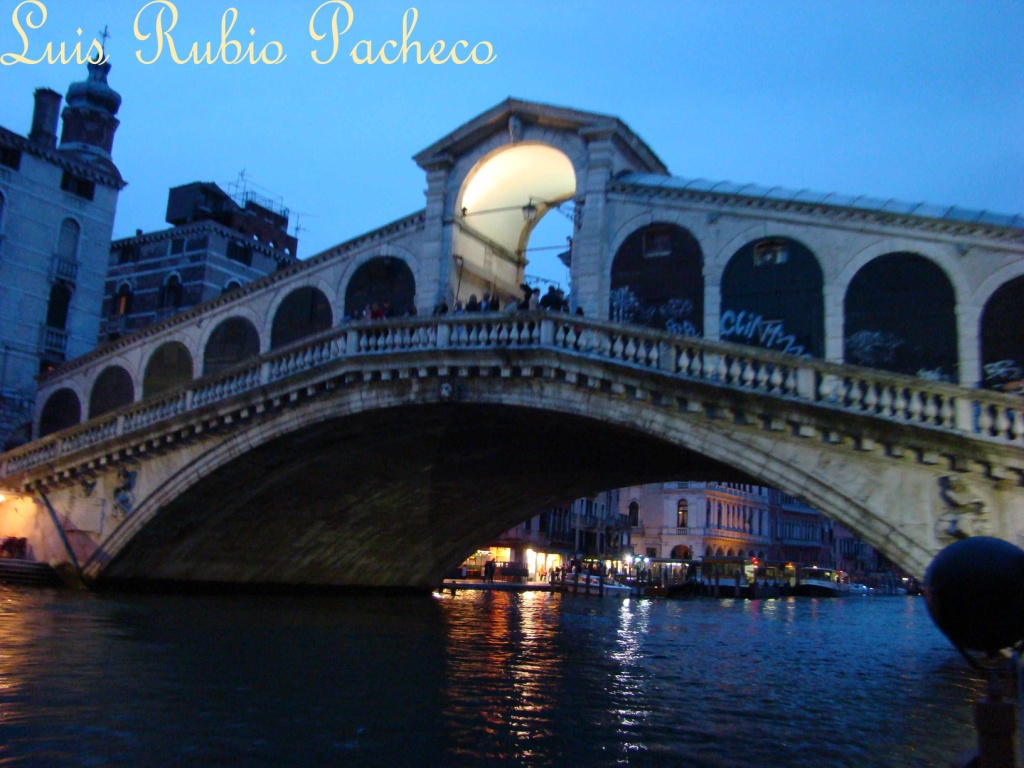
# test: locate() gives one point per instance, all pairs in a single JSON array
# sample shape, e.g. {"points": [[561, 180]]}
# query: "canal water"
{"points": [[479, 679]]}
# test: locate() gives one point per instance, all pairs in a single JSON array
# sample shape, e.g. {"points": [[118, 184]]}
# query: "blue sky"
{"points": [[918, 101]]}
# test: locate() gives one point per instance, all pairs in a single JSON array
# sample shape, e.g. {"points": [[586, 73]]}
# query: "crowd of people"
{"points": [[555, 300]]}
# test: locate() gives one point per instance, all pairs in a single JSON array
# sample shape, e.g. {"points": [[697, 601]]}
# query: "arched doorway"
{"points": [[900, 312], [681, 552], [304, 311], [385, 281], [772, 298], [657, 280], [501, 202]]}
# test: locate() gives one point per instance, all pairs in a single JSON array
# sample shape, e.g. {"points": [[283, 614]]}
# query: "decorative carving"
{"points": [[966, 514], [124, 499]]}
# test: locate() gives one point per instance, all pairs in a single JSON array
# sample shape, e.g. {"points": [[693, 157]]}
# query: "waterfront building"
{"points": [[689, 520], [585, 529], [57, 205], [217, 243]]}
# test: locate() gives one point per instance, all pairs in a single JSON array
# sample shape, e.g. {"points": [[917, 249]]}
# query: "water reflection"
{"points": [[481, 678]]}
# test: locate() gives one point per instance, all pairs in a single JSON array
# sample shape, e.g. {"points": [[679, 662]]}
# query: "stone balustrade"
{"points": [[980, 414]]}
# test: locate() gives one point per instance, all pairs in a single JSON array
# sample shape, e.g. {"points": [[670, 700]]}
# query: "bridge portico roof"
{"points": [[952, 214], [496, 119]]}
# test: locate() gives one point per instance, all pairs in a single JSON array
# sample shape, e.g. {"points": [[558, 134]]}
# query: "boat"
{"points": [[813, 581], [593, 585]]}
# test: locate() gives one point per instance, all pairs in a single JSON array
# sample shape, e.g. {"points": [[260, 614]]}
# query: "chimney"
{"points": [[45, 117]]}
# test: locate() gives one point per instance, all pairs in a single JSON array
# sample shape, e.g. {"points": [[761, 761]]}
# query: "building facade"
{"points": [[57, 206], [215, 244], [689, 520]]}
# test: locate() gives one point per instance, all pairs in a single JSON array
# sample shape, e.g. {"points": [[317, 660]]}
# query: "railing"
{"points": [[991, 416], [53, 341], [64, 269]]}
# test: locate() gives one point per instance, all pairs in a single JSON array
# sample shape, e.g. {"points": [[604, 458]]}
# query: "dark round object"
{"points": [[974, 589]]}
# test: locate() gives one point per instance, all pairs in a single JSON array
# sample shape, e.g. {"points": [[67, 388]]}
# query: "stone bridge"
{"points": [[377, 454]]}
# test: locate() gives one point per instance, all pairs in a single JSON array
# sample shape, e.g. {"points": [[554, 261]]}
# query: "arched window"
{"points": [[304, 312], [719, 514], [657, 280], [385, 281], [901, 316], [172, 293], [62, 410], [707, 513], [234, 340], [1002, 338], [683, 514], [231, 285], [123, 300], [634, 514], [112, 389], [772, 298], [169, 367], [60, 303], [67, 242]]}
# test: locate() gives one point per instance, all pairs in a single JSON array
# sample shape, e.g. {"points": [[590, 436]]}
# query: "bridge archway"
{"points": [[113, 389], [657, 280], [302, 313], [170, 366], [63, 409], [772, 297], [900, 316], [1002, 338], [366, 462], [502, 199], [386, 281], [233, 341]]}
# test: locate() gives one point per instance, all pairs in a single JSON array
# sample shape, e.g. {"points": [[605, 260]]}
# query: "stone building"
{"points": [[215, 244], [684, 520], [57, 205]]}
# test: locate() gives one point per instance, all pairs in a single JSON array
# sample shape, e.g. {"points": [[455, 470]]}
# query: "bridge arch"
{"points": [[112, 389], [170, 366], [232, 341], [312, 466], [302, 312], [900, 314], [657, 279], [63, 409], [498, 192], [772, 297], [382, 279]]}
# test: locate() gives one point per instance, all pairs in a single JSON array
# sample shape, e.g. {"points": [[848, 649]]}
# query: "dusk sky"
{"points": [[917, 101]]}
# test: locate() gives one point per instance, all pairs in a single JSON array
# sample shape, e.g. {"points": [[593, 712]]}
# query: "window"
{"points": [[67, 243], [177, 246], [657, 243], [683, 514], [171, 295], [60, 302], [771, 253], [78, 186], [634, 514], [240, 253], [123, 300]]}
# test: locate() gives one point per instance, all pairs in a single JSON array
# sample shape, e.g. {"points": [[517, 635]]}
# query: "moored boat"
{"points": [[592, 584], [813, 581]]}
